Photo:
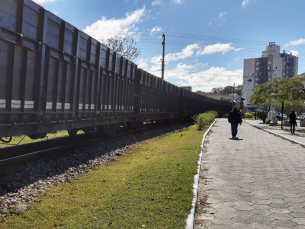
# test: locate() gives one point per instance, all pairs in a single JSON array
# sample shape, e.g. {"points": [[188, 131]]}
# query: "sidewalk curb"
{"points": [[279, 135], [191, 217]]}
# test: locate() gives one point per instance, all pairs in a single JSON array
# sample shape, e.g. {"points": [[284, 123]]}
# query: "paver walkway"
{"points": [[257, 181]]}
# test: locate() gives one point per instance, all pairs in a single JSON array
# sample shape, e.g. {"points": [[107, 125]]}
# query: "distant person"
{"points": [[293, 121], [234, 118]]}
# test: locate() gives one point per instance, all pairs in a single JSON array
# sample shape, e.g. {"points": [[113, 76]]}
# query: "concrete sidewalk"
{"points": [[257, 181], [298, 137]]}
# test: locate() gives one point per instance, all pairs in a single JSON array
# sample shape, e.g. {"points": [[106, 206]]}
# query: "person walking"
{"points": [[293, 121], [234, 118]]}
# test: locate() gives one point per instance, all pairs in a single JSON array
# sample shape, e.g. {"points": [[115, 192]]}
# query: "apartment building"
{"points": [[272, 64]]}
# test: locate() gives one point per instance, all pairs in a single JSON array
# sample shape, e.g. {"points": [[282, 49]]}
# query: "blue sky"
{"points": [[206, 40]]}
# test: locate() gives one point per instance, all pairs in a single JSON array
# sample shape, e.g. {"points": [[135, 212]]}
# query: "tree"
{"points": [[228, 90], [262, 95], [125, 46], [217, 90], [278, 91]]}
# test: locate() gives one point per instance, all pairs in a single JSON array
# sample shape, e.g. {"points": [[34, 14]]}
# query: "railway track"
{"points": [[14, 154], [25, 152]]}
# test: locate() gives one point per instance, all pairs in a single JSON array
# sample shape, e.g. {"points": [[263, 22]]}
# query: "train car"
{"points": [[55, 77], [157, 99]]}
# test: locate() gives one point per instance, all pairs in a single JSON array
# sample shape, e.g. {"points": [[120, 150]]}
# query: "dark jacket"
{"points": [[293, 118], [235, 117]]}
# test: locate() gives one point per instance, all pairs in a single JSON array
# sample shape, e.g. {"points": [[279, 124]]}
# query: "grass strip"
{"points": [[272, 124], [151, 188]]}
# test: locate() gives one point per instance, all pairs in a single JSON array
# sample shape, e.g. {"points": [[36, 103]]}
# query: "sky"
{"points": [[206, 41]]}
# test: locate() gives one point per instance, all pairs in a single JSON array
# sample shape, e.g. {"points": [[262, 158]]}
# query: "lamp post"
{"points": [[233, 97], [282, 114]]}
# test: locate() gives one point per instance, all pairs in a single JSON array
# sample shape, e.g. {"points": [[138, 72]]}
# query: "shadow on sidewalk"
{"points": [[236, 139]]}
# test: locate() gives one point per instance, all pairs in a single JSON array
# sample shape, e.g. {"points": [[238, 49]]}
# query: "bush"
{"points": [[262, 115], [248, 115], [204, 119]]}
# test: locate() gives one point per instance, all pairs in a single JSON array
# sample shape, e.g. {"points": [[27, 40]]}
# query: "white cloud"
{"points": [[202, 64], [156, 2], [245, 3], [103, 29], [154, 30], [184, 67], [212, 49], [219, 20], [142, 63], [222, 14], [188, 51], [177, 1], [204, 80], [294, 52], [295, 42], [188, 74]]}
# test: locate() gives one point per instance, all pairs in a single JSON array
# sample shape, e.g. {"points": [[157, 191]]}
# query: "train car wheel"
{"points": [[6, 139], [72, 132], [37, 136]]}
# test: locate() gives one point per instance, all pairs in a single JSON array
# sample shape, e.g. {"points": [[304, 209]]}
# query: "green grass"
{"points": [[302, 131], [17, 140], [272, 124], [151, 186]]}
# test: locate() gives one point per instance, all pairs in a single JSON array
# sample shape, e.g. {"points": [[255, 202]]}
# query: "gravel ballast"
{"points": [[23, 183]]}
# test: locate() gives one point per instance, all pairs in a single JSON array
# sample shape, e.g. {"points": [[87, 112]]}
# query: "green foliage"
{"points": [[261, 95], [202, 120], [275, 92], [228, 90], [248, 115], [262, 115]]}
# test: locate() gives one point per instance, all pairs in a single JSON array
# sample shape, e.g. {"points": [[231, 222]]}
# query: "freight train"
{"points": [[55, 77]]}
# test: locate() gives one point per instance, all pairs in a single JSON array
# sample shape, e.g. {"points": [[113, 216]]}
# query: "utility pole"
{"points": [[163, 44], [233, 96]]}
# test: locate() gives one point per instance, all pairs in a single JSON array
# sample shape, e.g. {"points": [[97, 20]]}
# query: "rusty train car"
{"points": [[55, 77]]}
